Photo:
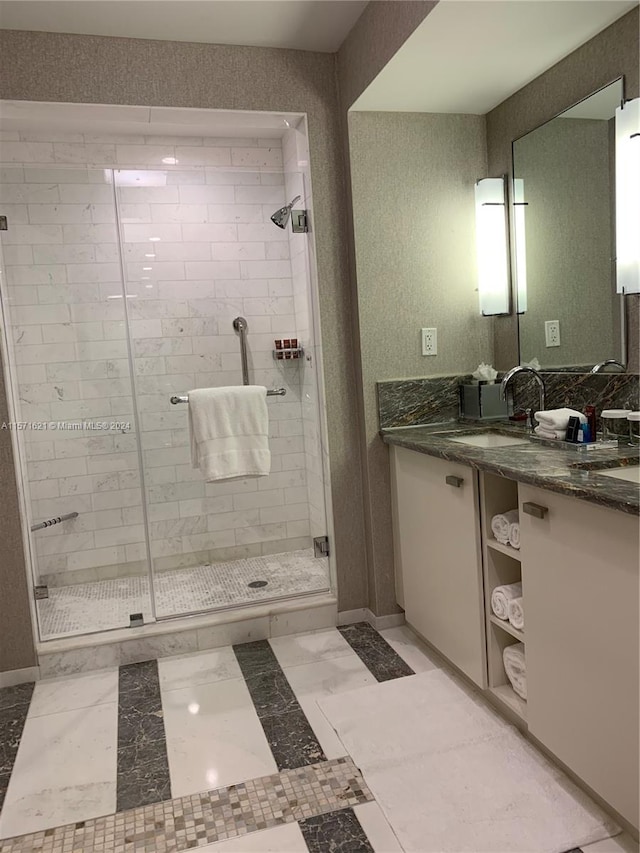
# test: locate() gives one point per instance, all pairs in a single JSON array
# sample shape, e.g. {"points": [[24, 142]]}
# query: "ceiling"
{"points": [[467, 56], [320, 25]]}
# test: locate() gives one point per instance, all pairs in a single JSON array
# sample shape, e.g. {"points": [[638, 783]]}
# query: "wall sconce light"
{"points": [[628, 197], [519, 206], [491, 243]]}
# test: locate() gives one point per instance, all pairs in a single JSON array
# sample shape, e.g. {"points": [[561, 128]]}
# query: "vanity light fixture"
{"points": [[491, 243], [628, 197], [519, 207]]}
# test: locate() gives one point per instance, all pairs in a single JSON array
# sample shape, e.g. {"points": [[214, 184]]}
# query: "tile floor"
{"points": [[225, 750], [103, 605]]}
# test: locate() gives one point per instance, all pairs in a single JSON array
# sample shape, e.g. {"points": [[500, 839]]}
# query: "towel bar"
{"points": [[271, 392]]}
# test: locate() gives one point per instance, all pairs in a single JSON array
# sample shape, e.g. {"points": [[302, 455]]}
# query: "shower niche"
{"points": [[125, 263]]}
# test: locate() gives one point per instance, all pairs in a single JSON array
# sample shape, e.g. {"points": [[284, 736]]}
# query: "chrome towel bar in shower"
{"points": [[271, 392], [51, 521]]}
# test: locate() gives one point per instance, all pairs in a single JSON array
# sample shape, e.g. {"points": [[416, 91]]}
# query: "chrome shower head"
{"points": [[281, 216]]}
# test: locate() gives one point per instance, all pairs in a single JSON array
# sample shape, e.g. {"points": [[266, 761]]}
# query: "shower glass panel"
{"points": [[66, 336], [199, 250]]}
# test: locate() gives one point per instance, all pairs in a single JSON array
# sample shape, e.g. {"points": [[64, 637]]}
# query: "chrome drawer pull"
{"points": [[454, 481], [535, 510]]}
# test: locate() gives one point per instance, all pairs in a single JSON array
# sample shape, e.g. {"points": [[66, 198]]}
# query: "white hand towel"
{"points": [[501, 596], [514, 534], [514, 666], [500, 525], [229, 430], [551, 434], [553, 419], [516, 613]]}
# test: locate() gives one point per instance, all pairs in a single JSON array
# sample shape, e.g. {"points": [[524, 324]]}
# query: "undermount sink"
{"points": [[630, 473], [490, 439]]}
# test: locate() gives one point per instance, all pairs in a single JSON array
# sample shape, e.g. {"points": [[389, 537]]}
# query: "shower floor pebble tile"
{"points": [[103, 605]]}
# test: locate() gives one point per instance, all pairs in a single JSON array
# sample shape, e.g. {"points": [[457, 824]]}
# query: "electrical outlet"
{"points": [[429, 342], [552, 333]]}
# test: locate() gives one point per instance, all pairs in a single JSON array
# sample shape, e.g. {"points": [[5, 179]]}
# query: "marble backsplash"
{"points": [[434, 399]]}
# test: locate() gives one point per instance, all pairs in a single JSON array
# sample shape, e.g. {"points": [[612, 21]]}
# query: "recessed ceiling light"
{"points": [[154, 239], [170, 161]]}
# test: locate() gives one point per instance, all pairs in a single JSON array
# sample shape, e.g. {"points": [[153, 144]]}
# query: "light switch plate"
{"points": [[429, 342], [552, 333]]}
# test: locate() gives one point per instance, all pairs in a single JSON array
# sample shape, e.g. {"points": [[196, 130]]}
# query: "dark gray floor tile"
{"points": [[338, 832], [14, 706], [256, 658], [143, 768], [272, 693], [292, 740], [16, 697], [373, 650]]}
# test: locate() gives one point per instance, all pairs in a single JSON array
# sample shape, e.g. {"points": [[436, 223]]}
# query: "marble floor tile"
{"points": [[65, 770], [315, 646], [375, 652], [214, 737], [280, 839], [410, 648], [201, 668], [311, 682], [14, 707], [339, 832], [377, 828], [292, 740], [72, 692]]}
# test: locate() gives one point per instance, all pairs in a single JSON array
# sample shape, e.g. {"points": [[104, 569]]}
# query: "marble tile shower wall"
{"points": [[217, 256]]}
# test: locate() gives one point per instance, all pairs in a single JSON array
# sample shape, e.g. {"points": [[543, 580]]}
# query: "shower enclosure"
{"points": [[125, 263]]}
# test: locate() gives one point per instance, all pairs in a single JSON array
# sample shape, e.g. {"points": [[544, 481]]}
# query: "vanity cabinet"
{"points": [[580, 587], [438, 556]]}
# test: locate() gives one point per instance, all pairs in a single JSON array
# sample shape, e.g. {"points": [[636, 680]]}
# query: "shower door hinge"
{"points": [[4, 224], [299, 223], [40, 591], [321, 546]]}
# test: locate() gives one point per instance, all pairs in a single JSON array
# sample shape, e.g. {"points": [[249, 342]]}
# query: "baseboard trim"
{"points": [[19, 676], [363, 614]]}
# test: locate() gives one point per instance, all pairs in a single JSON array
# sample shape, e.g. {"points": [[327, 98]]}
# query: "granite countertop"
{"points": [[540, 463]]}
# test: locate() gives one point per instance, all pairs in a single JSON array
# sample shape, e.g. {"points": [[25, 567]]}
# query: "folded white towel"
{"points": [[501, 596], [514, 666], [553, 419], [516, 613], [514, 534], [500, 525], [229, 430], [552, 434]]}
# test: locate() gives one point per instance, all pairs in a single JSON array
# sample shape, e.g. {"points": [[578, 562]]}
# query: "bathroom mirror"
{"points": [[563, 219]]}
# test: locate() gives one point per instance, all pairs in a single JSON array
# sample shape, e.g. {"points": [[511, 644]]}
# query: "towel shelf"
{"points": [[271, 392]]}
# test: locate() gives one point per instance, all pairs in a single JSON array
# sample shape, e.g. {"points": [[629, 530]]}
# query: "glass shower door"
{"points": [[66, 332], [200, 250]]}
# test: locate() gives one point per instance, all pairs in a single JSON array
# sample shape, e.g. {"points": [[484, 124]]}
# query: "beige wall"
{"points": [[412, 182], [88, 69], [610, 54]]}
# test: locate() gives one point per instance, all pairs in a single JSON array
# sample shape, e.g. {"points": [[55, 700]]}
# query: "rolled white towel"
{"points": [[501, 596], [558, 419], [500, 525], [552, 434], [514, 534], [514, 666], [516, 613]]}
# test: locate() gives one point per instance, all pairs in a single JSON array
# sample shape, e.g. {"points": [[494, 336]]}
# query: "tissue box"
{"points": [[482, 401]]}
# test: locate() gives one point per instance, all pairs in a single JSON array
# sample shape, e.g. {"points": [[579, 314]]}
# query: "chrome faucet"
{"points": [[515, 371], [599, 366]]}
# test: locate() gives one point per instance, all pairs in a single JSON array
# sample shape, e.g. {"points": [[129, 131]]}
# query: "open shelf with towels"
{"points": [[501, 567]]}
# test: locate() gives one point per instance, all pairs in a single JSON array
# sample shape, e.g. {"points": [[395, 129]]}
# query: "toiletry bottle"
{"points": [[590, 414], [584, 436]]}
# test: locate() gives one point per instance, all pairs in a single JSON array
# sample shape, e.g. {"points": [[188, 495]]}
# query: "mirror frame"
{"points": [[512, 241]]}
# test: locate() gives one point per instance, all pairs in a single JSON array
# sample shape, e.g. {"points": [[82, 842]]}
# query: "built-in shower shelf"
{"points": [[288, 354]]}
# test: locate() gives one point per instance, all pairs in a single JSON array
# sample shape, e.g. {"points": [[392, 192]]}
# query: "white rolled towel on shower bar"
{"points": [[501, 596], [500, 525], [514, 534], [515, 668], [516, 613]]}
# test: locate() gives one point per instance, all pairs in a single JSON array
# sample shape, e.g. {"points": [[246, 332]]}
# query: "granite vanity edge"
{"points": [[548, 483]]}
